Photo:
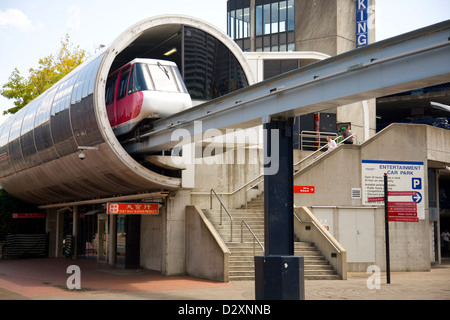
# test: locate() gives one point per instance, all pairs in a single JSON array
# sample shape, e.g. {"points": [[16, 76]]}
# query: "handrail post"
{"points": [[222, 205], [210, 199]]}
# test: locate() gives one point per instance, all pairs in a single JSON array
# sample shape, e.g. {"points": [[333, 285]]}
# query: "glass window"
{"points": [[212, 70], [123, 83], [291, 15], [283, 16], [239, 24], [140, 79], [267, 13], [110, 89], [232, 24], [163, 78], [246, 22], [179, 79], [259, 20], [274, 21]]}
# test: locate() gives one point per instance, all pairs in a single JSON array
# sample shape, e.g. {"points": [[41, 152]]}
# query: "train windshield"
{"points": [[155, 77]]}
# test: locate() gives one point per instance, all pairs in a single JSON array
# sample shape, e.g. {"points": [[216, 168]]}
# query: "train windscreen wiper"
{"points": [[164, 70]]}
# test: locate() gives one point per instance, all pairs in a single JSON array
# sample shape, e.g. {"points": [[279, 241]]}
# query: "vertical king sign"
{"points": [[362, 23], [405, 188]]}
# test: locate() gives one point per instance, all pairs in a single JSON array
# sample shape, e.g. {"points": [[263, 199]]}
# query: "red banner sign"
{"points": [[402, 193], [304, 189], [402, 212], [403, 219], [375, 199], [402, 207], [133, 208], [39, 215]]}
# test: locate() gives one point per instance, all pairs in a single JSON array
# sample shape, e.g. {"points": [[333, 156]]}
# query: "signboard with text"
{"points": [[133, 208], [405, 188], [39, 215], [362, 23], [304, 189]]}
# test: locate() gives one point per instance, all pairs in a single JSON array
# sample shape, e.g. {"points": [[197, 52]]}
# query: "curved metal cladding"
{"points": [[39, 145]]}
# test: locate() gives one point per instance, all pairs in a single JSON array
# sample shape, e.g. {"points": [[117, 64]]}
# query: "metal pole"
{"points": [[386, 224]]}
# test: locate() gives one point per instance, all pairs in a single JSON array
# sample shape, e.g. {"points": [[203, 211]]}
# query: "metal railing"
{"points": [[255, 238], [297, 163], [314, 154], [243, 222], [314, 139], [226, 210], [261, 176]]}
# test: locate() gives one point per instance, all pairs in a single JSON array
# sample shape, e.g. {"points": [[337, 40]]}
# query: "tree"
{"points": [[51, 69]]}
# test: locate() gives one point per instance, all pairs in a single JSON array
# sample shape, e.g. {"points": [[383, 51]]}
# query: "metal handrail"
{"points": [[305, 138], [262, 176], [244, 223], [297, 163], [226, 210], [319, 150], [320, 230]]}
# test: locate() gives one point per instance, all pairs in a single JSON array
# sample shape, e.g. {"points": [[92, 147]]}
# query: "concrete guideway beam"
{"points": [[414, 60]]}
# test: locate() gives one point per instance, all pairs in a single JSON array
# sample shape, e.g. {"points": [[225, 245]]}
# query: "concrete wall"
{"points": [[151, 244], [226, 173], [337, 172], [174, 246], [207, 256], [328, 26], [335, 35], [308, 228]]}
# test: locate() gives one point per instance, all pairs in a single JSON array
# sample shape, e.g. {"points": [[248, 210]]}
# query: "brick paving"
{"points": [[45, 279]]}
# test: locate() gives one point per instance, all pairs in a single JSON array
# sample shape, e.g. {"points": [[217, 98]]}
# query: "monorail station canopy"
{"points": [[40, 145]]}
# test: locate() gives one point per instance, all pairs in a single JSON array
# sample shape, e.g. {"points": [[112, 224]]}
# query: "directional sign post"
{"points": [[386, 226]]}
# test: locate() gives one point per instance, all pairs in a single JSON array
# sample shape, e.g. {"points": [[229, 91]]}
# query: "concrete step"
{"points": [[243, 252]]}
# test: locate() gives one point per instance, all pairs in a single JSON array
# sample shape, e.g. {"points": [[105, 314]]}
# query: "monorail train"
{"points": [[144, 89]]}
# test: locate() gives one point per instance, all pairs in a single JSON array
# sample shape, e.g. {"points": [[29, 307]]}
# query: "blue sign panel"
{"points": [[362, 25]]}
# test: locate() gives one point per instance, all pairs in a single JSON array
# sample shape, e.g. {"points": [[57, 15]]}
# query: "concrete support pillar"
{"points": [[174, 262], [50, 229], [75, 231], [113, 239]]}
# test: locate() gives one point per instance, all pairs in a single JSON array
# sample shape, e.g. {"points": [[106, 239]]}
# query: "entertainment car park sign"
{"points": [[405, 188]]}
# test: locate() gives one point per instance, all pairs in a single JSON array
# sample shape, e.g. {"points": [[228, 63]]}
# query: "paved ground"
{"points": [[46, 279]]}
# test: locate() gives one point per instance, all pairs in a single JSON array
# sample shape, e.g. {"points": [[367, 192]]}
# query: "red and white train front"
{"points": [[144, 89]]}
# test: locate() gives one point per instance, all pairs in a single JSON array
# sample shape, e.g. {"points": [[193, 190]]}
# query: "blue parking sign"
{"points": [[417, 183]]}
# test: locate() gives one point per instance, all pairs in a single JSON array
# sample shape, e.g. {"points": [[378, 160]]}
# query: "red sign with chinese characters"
{"points": [[133, 208]]}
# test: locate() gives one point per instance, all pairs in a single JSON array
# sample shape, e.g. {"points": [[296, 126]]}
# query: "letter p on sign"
{"points": [[416, 183]]}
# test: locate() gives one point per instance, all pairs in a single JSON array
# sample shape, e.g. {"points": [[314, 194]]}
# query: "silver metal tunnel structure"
{"points": [[40, 144]]}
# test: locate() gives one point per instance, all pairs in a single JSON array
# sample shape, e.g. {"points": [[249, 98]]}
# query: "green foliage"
{"points": [[51, 69]]}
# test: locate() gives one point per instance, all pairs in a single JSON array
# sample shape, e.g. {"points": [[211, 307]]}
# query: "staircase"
{"points": [[242, 254]]}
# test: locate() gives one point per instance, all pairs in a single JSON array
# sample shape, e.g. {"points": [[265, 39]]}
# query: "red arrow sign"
{"points": [[304, 189]]}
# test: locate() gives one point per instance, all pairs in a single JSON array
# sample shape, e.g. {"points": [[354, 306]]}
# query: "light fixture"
{"points": [[170, 52], [81, 155]]}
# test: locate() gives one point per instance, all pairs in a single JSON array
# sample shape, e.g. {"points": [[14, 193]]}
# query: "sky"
{"points": [[30, 29]]}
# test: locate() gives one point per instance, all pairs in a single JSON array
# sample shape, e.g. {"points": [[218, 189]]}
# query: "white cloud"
{"points": [[14, 18], [74, 20]]}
